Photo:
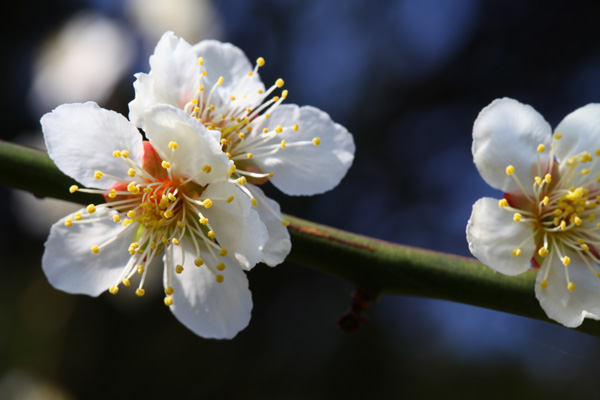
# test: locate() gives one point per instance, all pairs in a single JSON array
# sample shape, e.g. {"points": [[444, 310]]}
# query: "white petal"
{"points": [[309, 169], [208, 308], [508, 133], [493, 235], [197, 146], [560, 304], [580, 132], [279, 245], [237, 226], [174, 72], [69, 263], [228, 61], [81, 139]]}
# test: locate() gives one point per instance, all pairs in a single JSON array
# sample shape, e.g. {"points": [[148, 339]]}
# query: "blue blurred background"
{"points": [[407, 78]]}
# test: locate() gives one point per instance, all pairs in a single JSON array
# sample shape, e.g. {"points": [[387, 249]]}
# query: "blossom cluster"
{"points": [[549, 217], [186, 199]]}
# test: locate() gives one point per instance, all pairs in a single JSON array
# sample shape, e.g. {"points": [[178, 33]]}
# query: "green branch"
{"points": [[384, 268]]}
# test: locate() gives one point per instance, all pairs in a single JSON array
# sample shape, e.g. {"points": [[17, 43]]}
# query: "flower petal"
{"points": [[174, 72], [69, 263], [508, 133], [560, 304], [493, 235], [307, 169], [279, 245], [197, 146], [237, 226], [208, 308], [580, 132], [228, 61], [81, 139]]}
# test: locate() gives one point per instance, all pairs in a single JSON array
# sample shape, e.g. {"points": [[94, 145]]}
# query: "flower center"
{"points": [[158, 211], [562, 211]]}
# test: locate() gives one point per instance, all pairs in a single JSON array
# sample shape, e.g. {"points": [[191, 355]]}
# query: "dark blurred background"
{"points": [[407, 78]]}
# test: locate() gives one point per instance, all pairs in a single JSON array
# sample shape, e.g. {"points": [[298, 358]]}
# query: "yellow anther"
{"points": [[113, 290], [242, 135], [168, 301], [165, 164], [223, 141], [204, 220], [510, 170], [220, 266], [206, 169], [125, 222], [212, 108], [271, 174], [91, 209], [173, 145], [265, 130], [279, 82], [169, 290], [597, 152], [516, 252], [126, 282], [112, 193], [571, 286], [201, 60], [284, 94], [95, 249], [168, 214], [124, 153], [228, 154], [171, 197], [584, 247], [131, 172], [178, 268], [73, 188], [295, 127], [543, 252], [548, 178], [211, 234], [198, 262], [220, 81], [242, 180], [219, 278], [544, 284], [140, 269], [116, 153], [201, 88], [545, 200], [250, 73], [175, 241], [98, 175], [230, 199], [585, 171], [260, 61], [517, 217], [282, 144], [557, 136], [180, 224], [232, 98], [77, 216], [253, 201], [207, 203], [541, 148], [278, 129], [250, 155], [131, 213], [578, 221], [285, 223], [267, 115], [164, 240], [538, 180], [223, 252], [316, 141], [566, 260], [69, 222], [563, 225], [194, 101]]}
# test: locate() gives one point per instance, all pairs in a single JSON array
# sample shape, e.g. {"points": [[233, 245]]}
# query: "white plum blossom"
{"points": [[548, 216], [299, 149], [171, 197]]}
